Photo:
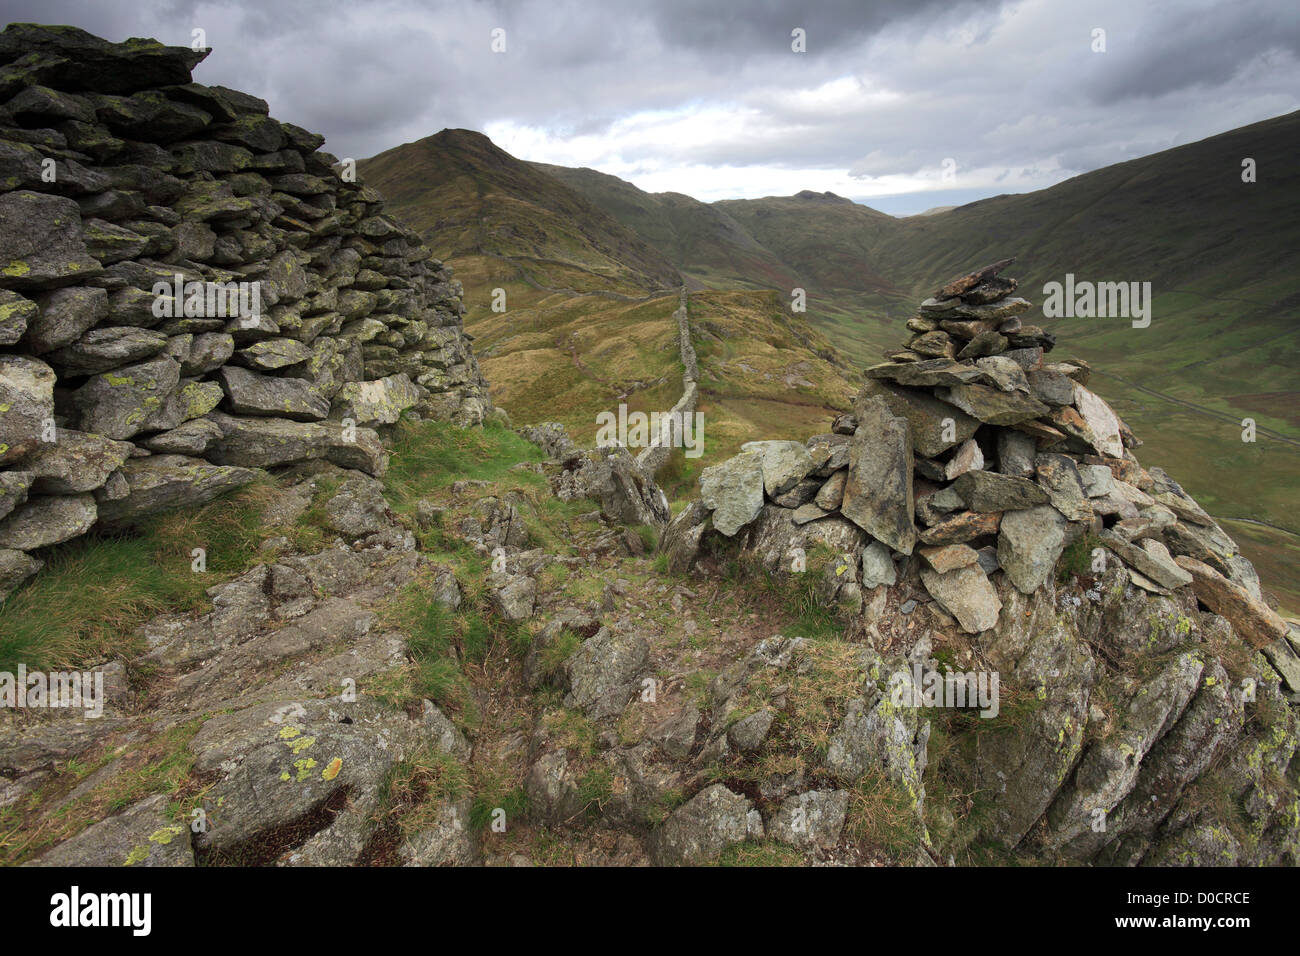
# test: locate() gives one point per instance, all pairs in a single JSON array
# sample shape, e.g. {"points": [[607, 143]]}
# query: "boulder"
{"points": [[747, 734], [448, 840], [965, 593], [101, 350], [611, 476], [700, 829], [275, 767], [1029, 543], [147, 833], [1098, 480], [78, 60], [379, 402], [26, 405], [1101, 421], [358, 508], [831, 494], [966, 526], [877, 566], [989, 491], [1251, 618], [800, 495], [16, 316], [830, 453], [44, 520], [74, 462], [733, 491], [15, 568], [811, 819], [41, 244], [167, 482], [64, 316], [267, 442], [270, 354], [603, 672], [992, 405], [877, 735], [513, 596], [13, 489], [190, 438], [1151, 560], [1016, 452], [252, 394], [968, 457], [878, 487], [950, 557], [1060, 478], [118, 404], [208, 352]]}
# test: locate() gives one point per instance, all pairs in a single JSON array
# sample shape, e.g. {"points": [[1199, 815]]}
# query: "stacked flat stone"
{"points": [[971, 450], [118, 172]]}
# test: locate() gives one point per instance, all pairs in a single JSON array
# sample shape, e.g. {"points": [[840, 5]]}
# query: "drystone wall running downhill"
{"points": [[1163, 686], [660, 449], [190, 290]]}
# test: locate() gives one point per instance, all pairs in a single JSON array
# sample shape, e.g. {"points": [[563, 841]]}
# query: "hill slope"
{"points": [[467, 197], [702, 241]]}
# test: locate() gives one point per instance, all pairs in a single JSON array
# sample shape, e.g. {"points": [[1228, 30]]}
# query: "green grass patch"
{"points": [[95, 590], [429, 456]]}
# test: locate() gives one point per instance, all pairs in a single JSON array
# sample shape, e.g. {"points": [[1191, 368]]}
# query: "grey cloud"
{"points": [[1205, 49], [1007, 86]]}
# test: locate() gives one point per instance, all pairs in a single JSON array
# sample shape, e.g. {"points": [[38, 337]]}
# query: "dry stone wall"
{"points": [[191, 290], [661, 446]]}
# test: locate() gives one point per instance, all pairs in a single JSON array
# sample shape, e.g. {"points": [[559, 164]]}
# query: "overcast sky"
{"points": [[901, 105]]}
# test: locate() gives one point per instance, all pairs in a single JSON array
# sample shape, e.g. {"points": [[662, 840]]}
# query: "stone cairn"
{"points": [[971, 450], [118, 174]]}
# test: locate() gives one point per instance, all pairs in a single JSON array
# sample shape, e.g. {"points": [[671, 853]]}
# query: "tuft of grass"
{"points": [[431, 634], [797, 595], [415, 788], [760, 853], [881, 817], [572, 730], [1076, 559], [558, 651], [595, 788], [486, 803], [649, 537]]}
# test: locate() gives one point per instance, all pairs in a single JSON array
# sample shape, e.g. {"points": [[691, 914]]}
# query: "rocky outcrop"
{"points": [[1131, 666], [192, 288]]}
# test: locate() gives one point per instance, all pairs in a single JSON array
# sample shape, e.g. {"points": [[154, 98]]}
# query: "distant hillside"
{"points": [[1181, 219], [466, 197], [701, 241]]}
